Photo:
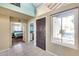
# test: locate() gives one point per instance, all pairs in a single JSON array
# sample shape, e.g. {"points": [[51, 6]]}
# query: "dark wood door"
{"points": [[40, 33]]}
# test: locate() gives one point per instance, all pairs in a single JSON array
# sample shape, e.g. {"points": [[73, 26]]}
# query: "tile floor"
{"points": [[22, 49], [16, 40]]}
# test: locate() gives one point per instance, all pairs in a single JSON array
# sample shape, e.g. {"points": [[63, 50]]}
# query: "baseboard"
{"points": [[4, 50], [52, 53]]}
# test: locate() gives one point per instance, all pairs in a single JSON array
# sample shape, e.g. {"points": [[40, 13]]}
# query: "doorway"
{"points": [[41, 33], [17, 32], [32, 33]]}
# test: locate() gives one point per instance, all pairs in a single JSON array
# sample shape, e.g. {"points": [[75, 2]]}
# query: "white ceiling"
{"points": [[49, 5], [37, 4]]}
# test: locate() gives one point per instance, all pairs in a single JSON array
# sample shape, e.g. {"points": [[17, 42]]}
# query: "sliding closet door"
{"points": [[40, 33]]}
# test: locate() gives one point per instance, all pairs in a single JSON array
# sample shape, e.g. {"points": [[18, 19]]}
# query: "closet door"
{"points": [[41, 33]]}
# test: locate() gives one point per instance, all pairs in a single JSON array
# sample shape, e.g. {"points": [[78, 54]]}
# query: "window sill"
{"points": [[65, 45]]}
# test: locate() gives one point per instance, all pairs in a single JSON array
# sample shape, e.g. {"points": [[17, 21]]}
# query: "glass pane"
{"points": [[57, 29], [68, 29], [17, 27]]}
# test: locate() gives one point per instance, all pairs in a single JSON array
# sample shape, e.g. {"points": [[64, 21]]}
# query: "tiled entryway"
{"points": [[22, 49]]}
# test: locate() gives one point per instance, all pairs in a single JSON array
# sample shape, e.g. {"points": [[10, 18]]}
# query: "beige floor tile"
{"points": [[22, 49]]}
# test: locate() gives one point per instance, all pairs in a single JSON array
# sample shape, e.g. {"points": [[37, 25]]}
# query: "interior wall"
{"points": [[55, 48], [28, 7], [42, 9], [5, 40], [25, 32]]}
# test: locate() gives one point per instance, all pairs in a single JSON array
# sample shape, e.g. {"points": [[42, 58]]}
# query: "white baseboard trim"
{"points": [[4, 50], [51, 53]]}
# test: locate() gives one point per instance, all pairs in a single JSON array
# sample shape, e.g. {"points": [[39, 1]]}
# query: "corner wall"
{"points": [[25, 32]]}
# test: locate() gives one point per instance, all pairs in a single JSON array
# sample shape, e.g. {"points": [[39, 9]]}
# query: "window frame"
{"points": [[76, 30]]}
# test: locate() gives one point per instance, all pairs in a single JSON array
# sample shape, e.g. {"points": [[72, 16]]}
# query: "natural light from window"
{"points": [[64, 28]]}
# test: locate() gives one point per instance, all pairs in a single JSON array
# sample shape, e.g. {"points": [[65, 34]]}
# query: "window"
{"points": [[16, 4], [17, 26], [68, 29], [64, 28]]}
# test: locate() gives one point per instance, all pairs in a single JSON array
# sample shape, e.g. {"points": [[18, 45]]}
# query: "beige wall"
{"points": [[5, 26], [25, 32], [42, 9], [4, 32], [57, 49]]}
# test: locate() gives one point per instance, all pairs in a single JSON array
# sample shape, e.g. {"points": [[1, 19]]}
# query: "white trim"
{"points": [[51, 53], [4, 50]]}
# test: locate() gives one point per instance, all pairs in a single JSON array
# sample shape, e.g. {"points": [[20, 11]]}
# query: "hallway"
{"points": [[22, 49], [53, 27]]}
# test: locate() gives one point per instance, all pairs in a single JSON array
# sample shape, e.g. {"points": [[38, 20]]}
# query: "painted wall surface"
{"points": [[55, 48], [29, 7], [26, 8], [42, 10], [25, 31], [5, 40]]}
